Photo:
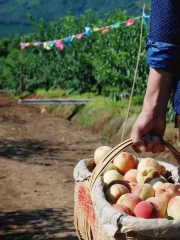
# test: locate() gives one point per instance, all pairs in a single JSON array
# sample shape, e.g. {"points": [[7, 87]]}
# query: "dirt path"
{"points": [[38, 153]]}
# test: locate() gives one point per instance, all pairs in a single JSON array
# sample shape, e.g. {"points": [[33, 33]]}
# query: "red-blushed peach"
{"points": [[146, 174], [130, 176], [129, 200], [146, 210], [173, 209], [161, 203], [122, 182], [167, 191], [162, 170], [158, 182], [123, 209], [124, 162], [177, 186], [144, 191], [148, 162], [110, 176], [110, 167], [115, 192], [100, 153]]}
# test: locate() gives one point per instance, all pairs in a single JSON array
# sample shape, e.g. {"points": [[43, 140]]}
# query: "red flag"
{"points": [[105, 30], [130, 22]]}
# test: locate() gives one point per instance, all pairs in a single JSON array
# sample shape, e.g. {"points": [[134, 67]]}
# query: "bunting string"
{"points": [[59, 43]]}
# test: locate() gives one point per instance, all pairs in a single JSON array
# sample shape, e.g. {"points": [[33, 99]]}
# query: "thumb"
{"points": [[137, 138]]}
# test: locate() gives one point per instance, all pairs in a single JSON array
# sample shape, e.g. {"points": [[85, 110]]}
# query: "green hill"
{"points": [[14, 20]]}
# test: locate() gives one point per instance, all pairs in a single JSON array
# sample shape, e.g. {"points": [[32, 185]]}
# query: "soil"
{"points": [[38, 153]]}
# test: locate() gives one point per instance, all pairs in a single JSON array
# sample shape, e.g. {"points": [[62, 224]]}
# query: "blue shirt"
{"points": [[163, 44]]}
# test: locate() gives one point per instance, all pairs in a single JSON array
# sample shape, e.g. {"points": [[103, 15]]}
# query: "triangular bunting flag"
{"points": [[129, 22]]}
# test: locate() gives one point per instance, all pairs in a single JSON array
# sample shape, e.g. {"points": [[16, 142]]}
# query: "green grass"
{"points": [[104, 116], [56, 93], [102, 109]]}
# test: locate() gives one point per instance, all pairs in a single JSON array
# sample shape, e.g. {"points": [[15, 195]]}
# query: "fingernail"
{"points": [[142, 148]]}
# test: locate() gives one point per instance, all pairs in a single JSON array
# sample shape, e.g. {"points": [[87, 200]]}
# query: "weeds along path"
{"points": [[38, 153]]}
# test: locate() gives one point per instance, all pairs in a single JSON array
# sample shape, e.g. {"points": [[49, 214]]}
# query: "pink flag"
{"points": [[79, 36], [38, 43], [59, 44], [130, 22], [23, 46]]}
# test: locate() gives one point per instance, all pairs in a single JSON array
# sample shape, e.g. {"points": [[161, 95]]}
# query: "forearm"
{"points": [[158, 92], [163, 52]]}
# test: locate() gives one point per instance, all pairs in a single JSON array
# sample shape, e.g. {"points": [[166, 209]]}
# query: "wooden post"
{"points": [[21, 71], [178, 131], [134, 80]]}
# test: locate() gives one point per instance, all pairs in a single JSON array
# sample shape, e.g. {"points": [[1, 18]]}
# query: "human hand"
{"points": [[147, 133], [149, 128]]}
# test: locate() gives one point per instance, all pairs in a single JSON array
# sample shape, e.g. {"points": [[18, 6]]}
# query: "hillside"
{"points": [[17, 21]]}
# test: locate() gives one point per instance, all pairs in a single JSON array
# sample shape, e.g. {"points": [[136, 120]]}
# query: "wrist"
{"points": [[155, 105], [158, 92]]}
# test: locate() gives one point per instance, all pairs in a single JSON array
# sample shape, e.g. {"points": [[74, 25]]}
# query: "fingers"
{"points": [[138, 141], [136, 149], [150, 144], [147, 143], [157, 146], [153, 144]]}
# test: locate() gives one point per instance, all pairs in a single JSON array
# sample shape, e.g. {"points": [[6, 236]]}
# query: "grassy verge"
{"points": [[100, 105], [103, 116]]}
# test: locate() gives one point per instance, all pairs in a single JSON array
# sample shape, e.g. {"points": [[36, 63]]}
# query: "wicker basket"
{"points": [[87, 224]]}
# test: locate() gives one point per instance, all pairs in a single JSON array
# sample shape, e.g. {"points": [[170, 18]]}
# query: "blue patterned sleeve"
{"points": [[162, 55], [163, 44]]}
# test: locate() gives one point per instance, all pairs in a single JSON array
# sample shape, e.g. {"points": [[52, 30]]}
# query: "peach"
{"points": [[146, 210], [129, 200], [136, 161], [161, 204], [124, 162], [133, 184], [90, 165], [110, 176], [148, 162], [162, 170], [158, 182], [173, 208], [144, 191], [130, 176], [115, 192], [100, 153], [110, 167], [123, 209], [167, 191], [177, 186], [146, 174], [122, 182]]}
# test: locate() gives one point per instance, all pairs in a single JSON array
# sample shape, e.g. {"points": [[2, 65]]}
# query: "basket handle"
{"points": [[117, 150]]}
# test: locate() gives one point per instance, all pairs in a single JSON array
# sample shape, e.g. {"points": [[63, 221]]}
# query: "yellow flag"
{"points": [[46, 46], [95, 29]]}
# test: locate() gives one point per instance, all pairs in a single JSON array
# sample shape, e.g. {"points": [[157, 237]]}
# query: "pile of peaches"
{"points": [[139, 188]]}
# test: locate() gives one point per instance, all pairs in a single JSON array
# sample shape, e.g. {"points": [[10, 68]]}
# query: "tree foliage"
{"points": [[102, 63], [17, 10]]}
